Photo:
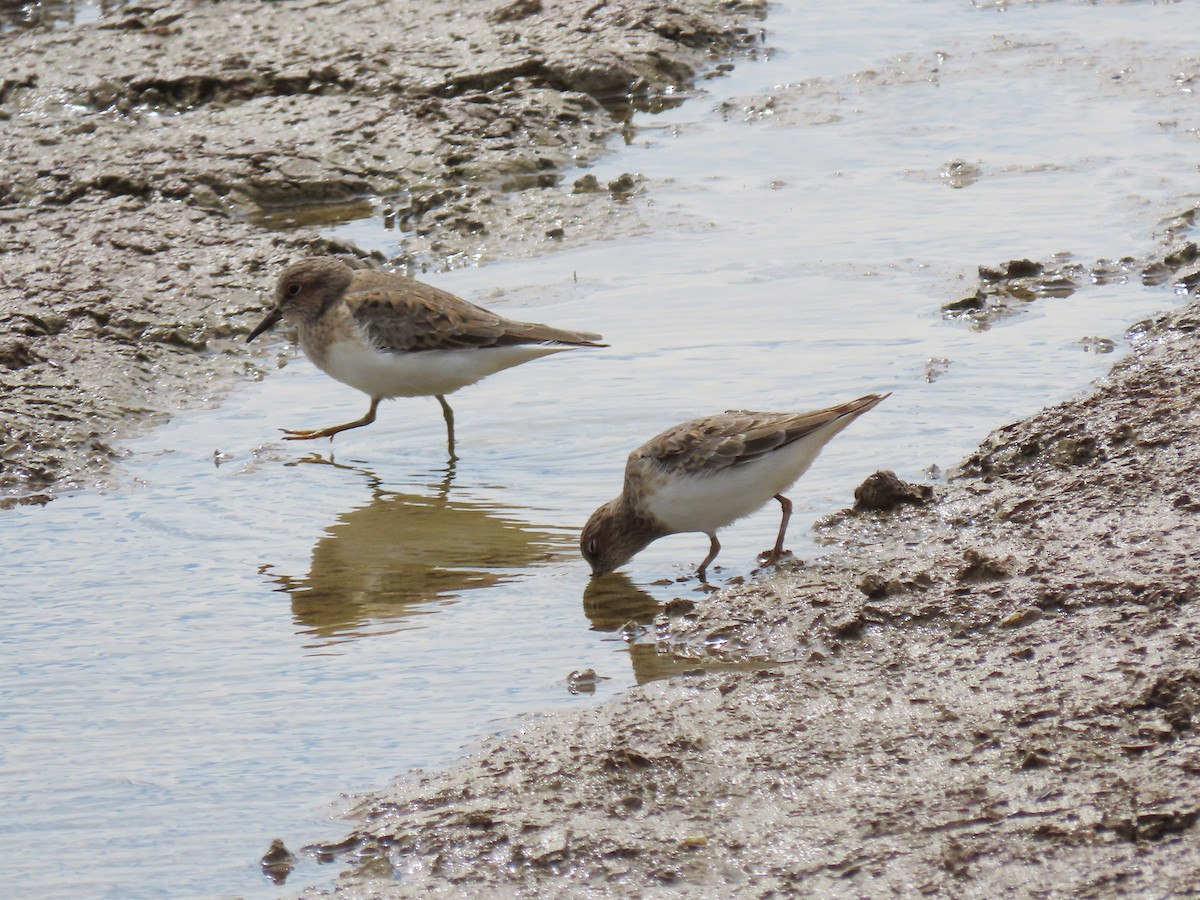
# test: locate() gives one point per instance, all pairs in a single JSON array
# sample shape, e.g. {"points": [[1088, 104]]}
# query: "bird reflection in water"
{"points": [[611, 602], [405, 555]]}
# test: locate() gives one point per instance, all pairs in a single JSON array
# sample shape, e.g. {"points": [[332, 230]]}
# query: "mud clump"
{"points": [[1177, 694], [1008, 289], [161, 167], [17, 353], [884, 491], [1002, 291], [278, 862], [978, 566]]}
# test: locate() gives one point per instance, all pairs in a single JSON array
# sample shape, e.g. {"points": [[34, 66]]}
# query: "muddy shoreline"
{"points": [[991, 688], [146, 156]]}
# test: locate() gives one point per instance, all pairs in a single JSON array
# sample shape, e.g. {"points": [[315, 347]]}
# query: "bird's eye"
{"points": [[293, 289], [591, 547]]}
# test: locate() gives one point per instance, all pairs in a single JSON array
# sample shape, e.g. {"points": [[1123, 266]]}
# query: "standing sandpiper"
{"points": [[707, 473], [392, 336]]}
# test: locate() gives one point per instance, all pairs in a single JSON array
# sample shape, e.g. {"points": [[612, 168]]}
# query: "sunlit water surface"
{"points": [[208, 656]]}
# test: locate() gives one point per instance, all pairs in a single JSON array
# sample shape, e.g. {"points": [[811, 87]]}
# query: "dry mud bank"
{"points": [[992, 687], [143, 159]]}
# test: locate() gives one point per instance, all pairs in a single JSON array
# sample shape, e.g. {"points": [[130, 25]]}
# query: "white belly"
{"points": [[424, 373], [709, 502]]}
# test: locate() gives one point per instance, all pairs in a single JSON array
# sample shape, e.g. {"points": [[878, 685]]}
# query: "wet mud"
{"points": [[161, 166], [988, 686], [1006, 290]]}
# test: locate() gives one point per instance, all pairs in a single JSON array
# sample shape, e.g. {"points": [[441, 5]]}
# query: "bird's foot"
{"points": [[773, 557], [290, 434]]}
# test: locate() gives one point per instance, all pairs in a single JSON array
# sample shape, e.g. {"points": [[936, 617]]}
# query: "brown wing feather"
{"points": [[737, 437], [401, 315]]}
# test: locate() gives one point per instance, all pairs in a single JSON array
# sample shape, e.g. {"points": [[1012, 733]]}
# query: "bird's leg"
{"points": [[770, 557], [290, 435], [713, 550], [448, 415]]}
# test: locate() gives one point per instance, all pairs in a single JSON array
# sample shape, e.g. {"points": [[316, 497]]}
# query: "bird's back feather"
{"points": [[401, 315]]}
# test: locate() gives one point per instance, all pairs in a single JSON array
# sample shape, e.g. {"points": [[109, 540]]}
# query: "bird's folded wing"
{"points": [[421, 317], [733, 438]]}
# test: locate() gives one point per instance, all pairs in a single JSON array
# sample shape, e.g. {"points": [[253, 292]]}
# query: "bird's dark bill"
{"points": [[266, 324]]}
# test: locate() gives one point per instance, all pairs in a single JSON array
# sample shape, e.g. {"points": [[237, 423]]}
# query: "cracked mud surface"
{"points": [[144, 158], [990, 689]]}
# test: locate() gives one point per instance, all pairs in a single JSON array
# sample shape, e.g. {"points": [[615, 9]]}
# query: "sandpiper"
{"points": [[707, 473], [392, 336]]}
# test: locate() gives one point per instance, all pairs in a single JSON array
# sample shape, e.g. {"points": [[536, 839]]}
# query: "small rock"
{"points": [[679, 606], [16, 353], [623, 185], [1177, 694], [514, 11], [966, 304], [980, 567], [935, 368], [845, 621], [1037, 758], [1022, 616], [552, 846], [584, 681], [1073, 451], [588, 184], [874, 585], [1018, 268], [959, 174], [1098, 345]]}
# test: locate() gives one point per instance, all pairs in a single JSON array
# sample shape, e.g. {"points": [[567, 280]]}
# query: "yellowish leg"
{"points": [[291, 435]]}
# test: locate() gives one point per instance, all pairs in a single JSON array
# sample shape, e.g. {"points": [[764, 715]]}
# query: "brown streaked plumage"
{"points": [[392, 336], [705, 474]]}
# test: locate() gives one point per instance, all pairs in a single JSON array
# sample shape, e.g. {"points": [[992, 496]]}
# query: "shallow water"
{"points": [[204, 657], [56, 13]]}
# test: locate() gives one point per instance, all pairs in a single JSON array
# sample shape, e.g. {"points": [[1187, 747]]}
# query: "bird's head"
{"points": [[613, 536], [305, 290]]}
